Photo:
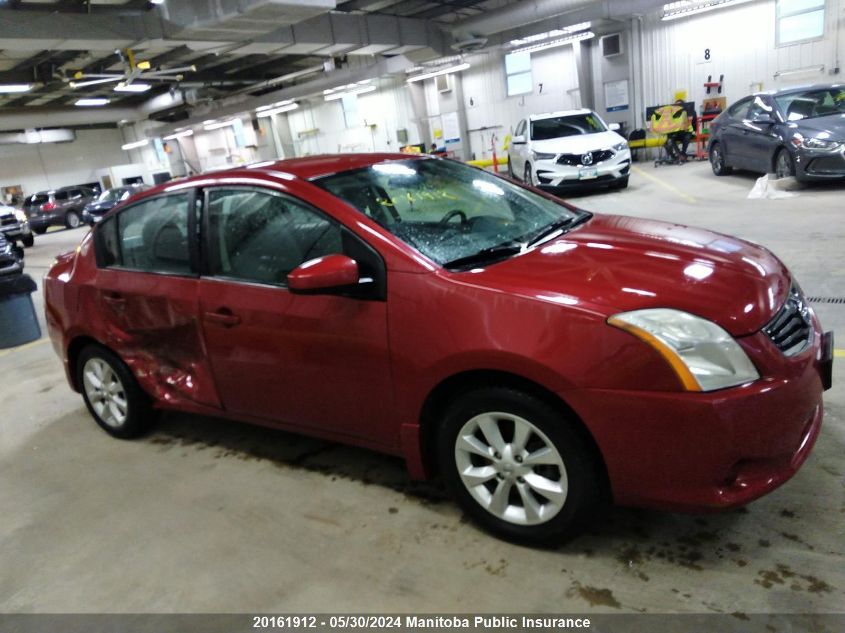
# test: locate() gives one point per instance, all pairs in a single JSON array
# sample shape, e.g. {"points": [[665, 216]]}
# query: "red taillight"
{"points": [[48, 206]]}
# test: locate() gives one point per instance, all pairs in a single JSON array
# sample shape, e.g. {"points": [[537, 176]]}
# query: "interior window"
{"points": [[153, 235], [261, 236]]}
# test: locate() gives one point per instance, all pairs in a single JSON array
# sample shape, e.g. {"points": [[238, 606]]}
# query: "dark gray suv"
{"points": [[59, 207], [796, 132]]}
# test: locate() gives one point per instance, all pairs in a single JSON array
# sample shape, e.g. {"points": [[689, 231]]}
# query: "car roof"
{"points": [[305, 168], [551, 115], [804, 88]]}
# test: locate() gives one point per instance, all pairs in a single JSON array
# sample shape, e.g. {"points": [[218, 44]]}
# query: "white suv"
{"points": [[573, 147]]}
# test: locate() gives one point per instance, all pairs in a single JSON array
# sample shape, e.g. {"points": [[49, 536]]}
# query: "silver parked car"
{"points": [[14, 226]]}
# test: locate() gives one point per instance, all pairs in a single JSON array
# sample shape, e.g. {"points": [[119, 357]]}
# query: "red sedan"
{"points": [[541, 359]]}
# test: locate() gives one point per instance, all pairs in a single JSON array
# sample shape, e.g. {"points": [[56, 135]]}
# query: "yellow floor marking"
{"points": [[839, 352], [665, 185], [21, 348]]}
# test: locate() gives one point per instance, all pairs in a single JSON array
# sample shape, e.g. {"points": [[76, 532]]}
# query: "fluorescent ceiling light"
{"points": [[97, 101], [556, 33], [219, 125], [10, 88], [272, 106], [181, 134], [140, 87], [146, 141], [437, 73], [156, 1], [555, 43], [349, 93], [279, 110], [676, 10]]}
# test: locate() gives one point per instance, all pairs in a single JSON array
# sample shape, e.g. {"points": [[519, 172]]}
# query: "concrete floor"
{"points": [[205, 515]]}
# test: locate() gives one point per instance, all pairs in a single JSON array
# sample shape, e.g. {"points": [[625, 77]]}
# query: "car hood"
{"points": [[833, 126], [577, 144], [615, 264]]}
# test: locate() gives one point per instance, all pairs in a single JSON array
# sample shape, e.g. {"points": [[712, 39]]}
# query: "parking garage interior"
{"points": [[203, 515]]}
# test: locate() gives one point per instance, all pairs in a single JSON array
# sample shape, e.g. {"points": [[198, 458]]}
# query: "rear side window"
{"points": [[151, 236], [61, 196], [261, 236]]}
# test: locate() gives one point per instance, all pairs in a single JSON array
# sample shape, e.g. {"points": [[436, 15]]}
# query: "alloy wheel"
{"points": [[717, 161], [511, 468], [783, 166], [528, 178], [72, 219], [105, 392]]}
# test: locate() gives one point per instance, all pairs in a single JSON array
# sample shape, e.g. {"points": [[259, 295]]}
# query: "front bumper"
{"points": [[551, 174], [815, 165], [16, 231], [720, 449]]}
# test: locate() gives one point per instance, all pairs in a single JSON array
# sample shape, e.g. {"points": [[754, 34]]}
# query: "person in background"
{"points": [[685, 136], [437, 151]]}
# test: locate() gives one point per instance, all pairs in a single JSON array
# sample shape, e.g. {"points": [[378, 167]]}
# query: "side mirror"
{"points": [[763, 118], [324, 273], [614, 127], [518, 140]]}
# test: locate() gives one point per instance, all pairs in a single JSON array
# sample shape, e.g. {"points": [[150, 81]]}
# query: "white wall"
{"points": [[50, 165], [742, 47]]}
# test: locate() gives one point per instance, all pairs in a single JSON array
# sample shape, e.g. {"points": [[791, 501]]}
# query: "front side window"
{"points": [[740, 109], [799, 20], [446, 210], [151, 236], [560, 126], [261, 236]]}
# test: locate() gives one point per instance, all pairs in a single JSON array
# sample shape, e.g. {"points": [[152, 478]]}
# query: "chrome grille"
{"points": [[791, 329], [597, 155]]}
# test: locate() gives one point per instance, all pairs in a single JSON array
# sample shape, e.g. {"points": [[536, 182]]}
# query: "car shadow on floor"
{"points": [[637, 536]]}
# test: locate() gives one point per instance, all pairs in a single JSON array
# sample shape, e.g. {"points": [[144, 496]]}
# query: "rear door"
{"points": [[318, 361], [147, 296]]}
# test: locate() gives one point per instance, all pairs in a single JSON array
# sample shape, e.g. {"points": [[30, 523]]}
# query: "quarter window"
{"points": [[799, 20], [261, 236], [151, 236]]}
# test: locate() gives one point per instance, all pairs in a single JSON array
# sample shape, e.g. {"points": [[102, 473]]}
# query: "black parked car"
{"points": [[95, 210], [797, 132], [59, 207], [11, 257]]}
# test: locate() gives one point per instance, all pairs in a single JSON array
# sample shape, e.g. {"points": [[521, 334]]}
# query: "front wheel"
{"points": [[111, 394], [717, 160], [784, 166], [510, 168], [528, 175], [518, 467], [72, 219], [28, 240]]}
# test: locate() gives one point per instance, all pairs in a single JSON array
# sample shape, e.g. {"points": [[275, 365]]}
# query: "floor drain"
{"points": [[826, 299]]}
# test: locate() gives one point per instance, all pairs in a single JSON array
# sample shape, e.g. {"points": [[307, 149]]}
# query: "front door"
{"points": [[314, 361]]}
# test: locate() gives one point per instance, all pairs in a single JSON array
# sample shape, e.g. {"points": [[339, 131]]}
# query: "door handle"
{"points": [[223, 317], [114, 299]]}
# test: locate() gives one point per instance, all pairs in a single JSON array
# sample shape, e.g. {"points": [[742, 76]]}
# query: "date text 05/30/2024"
{"points": [[421, 622]]}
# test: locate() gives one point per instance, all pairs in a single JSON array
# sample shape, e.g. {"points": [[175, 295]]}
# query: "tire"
{"points": [[717, 160], [528, 175], [510, 168], [28, 241], [622, 183], [120, 407], [479, 471], [72, 219], [41, 230], [784, 166]]}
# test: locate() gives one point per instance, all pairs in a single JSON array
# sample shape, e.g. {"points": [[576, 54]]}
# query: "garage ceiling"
{"points": [[236, 46]]}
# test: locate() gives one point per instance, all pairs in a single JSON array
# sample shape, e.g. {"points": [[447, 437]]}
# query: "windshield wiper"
{"points": [[558, 225], [487, 255]]}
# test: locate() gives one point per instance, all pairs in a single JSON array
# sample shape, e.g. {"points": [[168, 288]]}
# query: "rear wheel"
{"points": [[72, 219], [111, 394], [784, 167], [717, 160], [41, 230], [518, 466]]}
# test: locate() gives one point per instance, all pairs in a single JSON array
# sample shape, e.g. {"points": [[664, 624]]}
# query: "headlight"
{"points": [[21, 216], [703, 355], [815, 143], [542, 156], [620, 146]]}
